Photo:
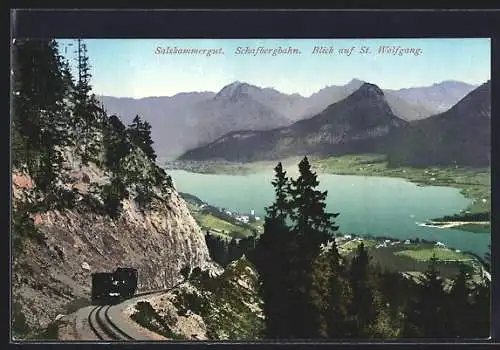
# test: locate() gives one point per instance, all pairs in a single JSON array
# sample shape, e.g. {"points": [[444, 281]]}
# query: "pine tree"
{"points": [[40, 86], [232, 250], [271, 258], [459, 305], [313, 228], [480, 315], [88, 115], [279, 210], [116, 144], [300, 286], [425, 316], [140, 135], [112, 194], [332, 292], [313, 225], [363, 306]]}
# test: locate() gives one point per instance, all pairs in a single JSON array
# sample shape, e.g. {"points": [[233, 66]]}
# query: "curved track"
{"points": [[105, 328]]}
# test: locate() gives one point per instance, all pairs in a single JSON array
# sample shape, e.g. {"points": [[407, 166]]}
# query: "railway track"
{"points": [[103, 326]]}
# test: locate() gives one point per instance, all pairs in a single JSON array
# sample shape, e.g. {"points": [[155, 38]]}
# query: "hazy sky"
{"points": [[132, 68]]}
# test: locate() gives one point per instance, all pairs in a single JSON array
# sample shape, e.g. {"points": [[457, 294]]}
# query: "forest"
{"points": [[55, 112]]}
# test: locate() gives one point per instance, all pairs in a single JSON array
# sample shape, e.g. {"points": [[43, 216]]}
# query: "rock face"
{"points": [[54, 277], [224, 306]]}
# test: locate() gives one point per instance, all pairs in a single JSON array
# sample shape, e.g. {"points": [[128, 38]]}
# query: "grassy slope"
{"points": [[440, 253], [208, 221], [220, 227], [415, 257]]}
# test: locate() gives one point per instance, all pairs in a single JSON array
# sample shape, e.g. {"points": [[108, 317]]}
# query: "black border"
{"points": [[86, 23], [104, 23]]}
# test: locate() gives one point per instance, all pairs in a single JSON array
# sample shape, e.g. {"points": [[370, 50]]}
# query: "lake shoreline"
{"points": [[471, 186], [388, 250], [480, 227], [417, 248]]}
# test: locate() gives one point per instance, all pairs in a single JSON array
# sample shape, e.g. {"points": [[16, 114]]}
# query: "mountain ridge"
{"points": [[205, 117], [363, 115], [458, 136], [364, 122]]}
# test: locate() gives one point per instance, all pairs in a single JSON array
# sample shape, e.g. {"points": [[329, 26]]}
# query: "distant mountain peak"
{"points": [[355, 81], [235, 89], [368, 90], [451, 81]]}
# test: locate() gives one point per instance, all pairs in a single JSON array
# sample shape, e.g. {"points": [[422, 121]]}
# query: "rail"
{"points": [[103, 326]]}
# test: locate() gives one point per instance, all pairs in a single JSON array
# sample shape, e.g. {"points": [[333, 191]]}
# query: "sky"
{"points": [[137, 68]]}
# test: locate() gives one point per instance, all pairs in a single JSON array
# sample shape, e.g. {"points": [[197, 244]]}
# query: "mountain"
{"points": [[349, 126], [408, 104], [406, 110], [170, 117], [287, 105], [237, 106], [204, 116], [460, 136], [438, 98], [404, 103]]}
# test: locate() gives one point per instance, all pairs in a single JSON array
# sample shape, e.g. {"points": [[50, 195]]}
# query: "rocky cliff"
{"points": [[52, 275]]}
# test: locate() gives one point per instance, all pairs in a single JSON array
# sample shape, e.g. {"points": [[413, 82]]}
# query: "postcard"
{"points": [[251, 189]]}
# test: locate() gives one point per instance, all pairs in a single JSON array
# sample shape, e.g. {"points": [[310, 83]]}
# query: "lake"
{"points": [[380, 206]]}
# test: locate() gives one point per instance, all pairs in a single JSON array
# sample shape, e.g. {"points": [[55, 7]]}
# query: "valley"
{"points": [[213, 208]]}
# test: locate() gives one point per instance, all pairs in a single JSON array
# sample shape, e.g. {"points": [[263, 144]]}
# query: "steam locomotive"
{"points": [[109, 286]]}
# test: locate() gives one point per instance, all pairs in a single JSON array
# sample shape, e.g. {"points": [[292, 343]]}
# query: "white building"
{"points": [[243, 218]]}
